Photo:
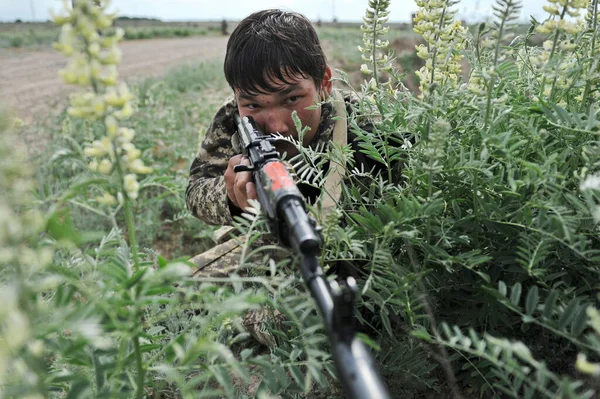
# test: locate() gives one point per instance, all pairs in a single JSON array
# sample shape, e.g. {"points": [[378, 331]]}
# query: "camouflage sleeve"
{"points": [[206, 194]]}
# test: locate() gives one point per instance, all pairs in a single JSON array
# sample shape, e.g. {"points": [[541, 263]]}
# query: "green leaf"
{"points": [[387, 324], [60, 226], [116, 270], [150, 347], [550, 304], [515, 294], [222, 376], [533, 297], [580, 321], [568, 314], [502, 289], [297, 374], [77, 389], [135, 278]]}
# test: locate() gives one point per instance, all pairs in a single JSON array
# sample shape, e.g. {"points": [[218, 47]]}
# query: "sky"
{"points": [[190, 10]]}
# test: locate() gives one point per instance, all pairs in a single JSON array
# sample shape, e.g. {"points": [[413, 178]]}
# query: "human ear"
{"points": [[326, 83]]}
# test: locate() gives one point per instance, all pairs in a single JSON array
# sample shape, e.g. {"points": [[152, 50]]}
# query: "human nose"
{"points": [[274, 121]]}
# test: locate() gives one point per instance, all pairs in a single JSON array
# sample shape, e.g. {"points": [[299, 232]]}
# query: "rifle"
{"points": [[284, 206]]}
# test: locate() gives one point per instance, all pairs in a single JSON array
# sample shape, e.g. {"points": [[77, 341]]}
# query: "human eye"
{"points": [[291, 100]]}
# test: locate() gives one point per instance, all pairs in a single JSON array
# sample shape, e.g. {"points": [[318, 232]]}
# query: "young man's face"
{"points": [[273, 112]]}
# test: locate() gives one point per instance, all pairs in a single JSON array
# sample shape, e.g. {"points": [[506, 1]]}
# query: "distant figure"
{"points": [[224, 27]]}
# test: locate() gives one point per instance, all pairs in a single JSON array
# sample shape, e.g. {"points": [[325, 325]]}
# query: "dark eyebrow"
{"points": [[280, 93], [289, 89]]}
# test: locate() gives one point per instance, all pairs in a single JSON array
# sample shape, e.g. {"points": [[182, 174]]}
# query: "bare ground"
{"points": [[30, 84]]}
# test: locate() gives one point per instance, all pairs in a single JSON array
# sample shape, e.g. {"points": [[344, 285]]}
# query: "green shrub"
{"points": [[17, 41], [483, 237]]}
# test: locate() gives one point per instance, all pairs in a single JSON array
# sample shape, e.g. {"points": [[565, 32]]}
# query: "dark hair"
{"points": [[269, 44]]}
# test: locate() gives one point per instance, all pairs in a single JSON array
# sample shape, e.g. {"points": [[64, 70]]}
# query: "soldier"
{"points": [[275, 65]]}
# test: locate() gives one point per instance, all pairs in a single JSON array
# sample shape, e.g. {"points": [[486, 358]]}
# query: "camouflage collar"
{"points": [[325, 129]]}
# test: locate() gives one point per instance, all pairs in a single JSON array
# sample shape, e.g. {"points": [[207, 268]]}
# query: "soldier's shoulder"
{"points": [[224, 117], [350, 97]]}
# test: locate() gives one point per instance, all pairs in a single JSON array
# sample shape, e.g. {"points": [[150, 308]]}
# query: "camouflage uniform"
{"points": [[206, 194]]}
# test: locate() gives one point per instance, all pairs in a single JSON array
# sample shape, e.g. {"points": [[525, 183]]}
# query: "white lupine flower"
{"points": [[443, 43], [16, 330], [107, 199], [131, 186], [137, 166], [126, 134], [105, 167], [99, 148], [591, 182], [365, 69], [93, 58]]}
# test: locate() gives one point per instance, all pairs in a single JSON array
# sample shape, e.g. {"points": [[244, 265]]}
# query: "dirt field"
{"points": [[30, 85]]}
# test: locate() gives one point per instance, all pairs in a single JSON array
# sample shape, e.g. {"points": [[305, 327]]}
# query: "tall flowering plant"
{"points": [[91, 45], [559, 71], [444, 42]]}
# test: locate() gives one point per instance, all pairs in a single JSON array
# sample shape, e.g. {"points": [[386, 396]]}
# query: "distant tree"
{"points": [[18, 21], [224, 27]]}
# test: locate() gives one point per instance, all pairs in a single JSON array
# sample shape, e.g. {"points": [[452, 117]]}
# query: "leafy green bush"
{"points": [[483, 237], [155, 32]]}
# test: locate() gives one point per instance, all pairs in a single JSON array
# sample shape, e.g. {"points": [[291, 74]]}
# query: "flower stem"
{"points": [[131, 230], [140, 367]]}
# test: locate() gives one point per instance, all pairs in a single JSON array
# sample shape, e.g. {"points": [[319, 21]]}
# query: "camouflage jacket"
{"points": [[206, 194]]}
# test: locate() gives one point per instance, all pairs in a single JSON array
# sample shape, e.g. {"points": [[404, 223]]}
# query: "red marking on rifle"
{"points": [[278, 174]]}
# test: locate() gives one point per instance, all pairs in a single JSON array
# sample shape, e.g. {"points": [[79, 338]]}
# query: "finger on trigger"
{"points": [[250, 190]]}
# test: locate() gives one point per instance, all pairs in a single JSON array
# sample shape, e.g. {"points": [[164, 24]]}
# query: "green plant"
{"points": [[497, 188]]}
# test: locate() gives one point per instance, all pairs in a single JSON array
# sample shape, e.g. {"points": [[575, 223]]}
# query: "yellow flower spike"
{"points": [[125, 135], [113, 99], [75, 112], [131, 186], [365, 69], [587, 367], [99, 107], [60, 19], [105, 167], [125, 112], [104, 21], [553, 10], [83, 78], [113, 57], [570, 27], [422, 51], [137, 166], [106, 199], [124, 92], [106, 145], [93, 165], [110, 76], [68, 76], [545, 28], [111, 126], [118, 97], [94, 49], [94, 151], [132, 153]]}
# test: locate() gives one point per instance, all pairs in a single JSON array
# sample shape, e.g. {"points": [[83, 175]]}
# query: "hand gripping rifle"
{"points": [[284, 206]]}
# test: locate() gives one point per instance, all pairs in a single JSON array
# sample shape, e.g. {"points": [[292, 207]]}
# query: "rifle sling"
{"points": [[332, 190]]}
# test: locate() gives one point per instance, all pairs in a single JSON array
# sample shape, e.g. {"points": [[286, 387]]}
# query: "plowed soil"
{"points": [[30, 84]]}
